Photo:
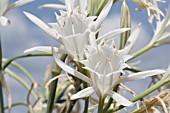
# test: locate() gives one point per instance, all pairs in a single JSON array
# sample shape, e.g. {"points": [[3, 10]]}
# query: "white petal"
{"points": [[72, 71], [103, 14], [141, 75], [132, 39], [111, 34], [46, 49], [165, 39], [74, 44], [19, 3], [92, 39], [120, 99], [4, 21], [69, 5], [41, 24], [3, 6], [83, 93], [53, 6]]}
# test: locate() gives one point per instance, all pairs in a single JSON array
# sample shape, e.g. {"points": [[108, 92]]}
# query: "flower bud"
{"points": [[125, 23]]}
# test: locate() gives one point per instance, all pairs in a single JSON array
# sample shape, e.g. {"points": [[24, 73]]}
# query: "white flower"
{"points": [[103, 78], [105, 63], [162, 32], [152, 8], [73, 28], [157, 15], [5, 7]]}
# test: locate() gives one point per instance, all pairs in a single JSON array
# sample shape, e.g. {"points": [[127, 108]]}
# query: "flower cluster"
{"points": [[88, 65], [102, 60]]}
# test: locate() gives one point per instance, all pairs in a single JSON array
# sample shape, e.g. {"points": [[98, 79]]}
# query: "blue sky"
{"points": [[23, 34]]}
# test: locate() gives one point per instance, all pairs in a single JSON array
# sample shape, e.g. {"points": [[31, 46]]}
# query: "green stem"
{"points": [[17, 78], [108, 105], [86, 105], [110, 99], [28, 75], [86, 100], [16, 104], [61, 91], [72, 103], [1, 91], [1, 100], [101, 103], [143, 50], [24, 56], [56, 70], [141, 95]]}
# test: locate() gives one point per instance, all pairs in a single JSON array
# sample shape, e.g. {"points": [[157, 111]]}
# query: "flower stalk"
{"points": [[101, 104], [86, 105], [16, 104], [24, 56], [23, 83], [56, 70], [110, 99], [1, 92], [143, 50], [21, 68]]}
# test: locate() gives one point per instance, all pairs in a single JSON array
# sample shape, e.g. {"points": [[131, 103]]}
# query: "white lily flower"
{"points": [[73, 28], [162, 32], [72, 31], [158, 18], [5, 7], [105, 65]]}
